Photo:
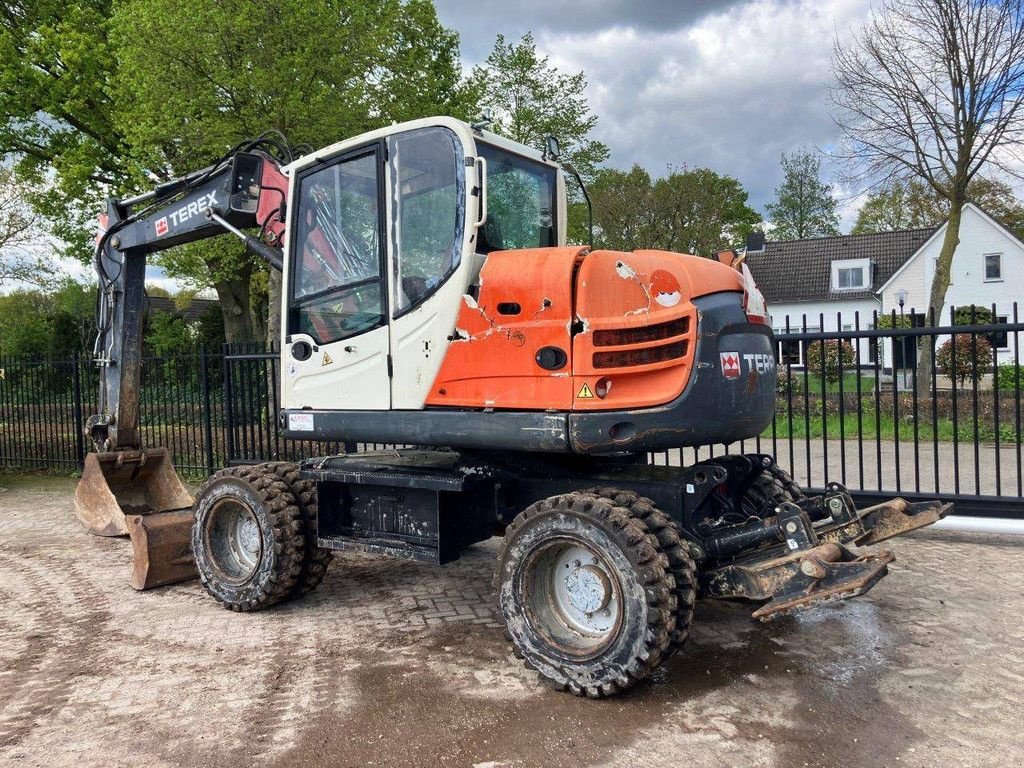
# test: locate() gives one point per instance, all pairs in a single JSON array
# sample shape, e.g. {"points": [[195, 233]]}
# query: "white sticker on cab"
{"points": [[300, 422]]}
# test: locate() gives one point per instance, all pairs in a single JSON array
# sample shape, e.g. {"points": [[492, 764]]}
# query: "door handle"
{"points": [[350, 348]]}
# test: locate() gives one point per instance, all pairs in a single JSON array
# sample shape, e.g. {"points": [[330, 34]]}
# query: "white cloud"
{"points": [[731, 91]]}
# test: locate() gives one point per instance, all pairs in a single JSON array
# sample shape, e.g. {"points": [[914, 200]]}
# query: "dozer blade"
{"points": [[121, 483]]}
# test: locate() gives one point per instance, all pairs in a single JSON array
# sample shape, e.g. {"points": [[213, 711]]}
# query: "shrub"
{"points": [[1010, 376], [828, 358], [973, 314], [973, 358]]}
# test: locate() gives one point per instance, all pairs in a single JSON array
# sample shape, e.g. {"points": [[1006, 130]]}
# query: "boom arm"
{"points": [[245, 190]]}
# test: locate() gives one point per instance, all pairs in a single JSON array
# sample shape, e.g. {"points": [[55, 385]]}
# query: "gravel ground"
{"points": [[404, 664]]}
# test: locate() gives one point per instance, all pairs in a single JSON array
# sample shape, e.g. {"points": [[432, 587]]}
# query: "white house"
{"points": [[842, 283]]}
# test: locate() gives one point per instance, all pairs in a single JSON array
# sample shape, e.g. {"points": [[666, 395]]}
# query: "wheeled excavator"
{"points": [[430, 300]]}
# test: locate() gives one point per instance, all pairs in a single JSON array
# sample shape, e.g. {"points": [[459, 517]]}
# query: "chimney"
{"points": [[755, 241]]}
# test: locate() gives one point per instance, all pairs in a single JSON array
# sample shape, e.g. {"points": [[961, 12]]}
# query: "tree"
{"points": [[193, 84], [698, 211], [913, 205], [22, 258], [56, 113], [530, 100], [101, 99], [804, 206], [829, 359], [705, 211], [933, 90], [56, 323], [965, 356]]}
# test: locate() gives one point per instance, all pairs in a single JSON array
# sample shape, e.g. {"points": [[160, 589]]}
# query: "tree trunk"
{"points": [[937, 297], [233, 296], [273, 309]]}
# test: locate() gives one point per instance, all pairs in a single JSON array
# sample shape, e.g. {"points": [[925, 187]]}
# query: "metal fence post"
{"points": [[229, 411], [79, 425], [204, 385]]}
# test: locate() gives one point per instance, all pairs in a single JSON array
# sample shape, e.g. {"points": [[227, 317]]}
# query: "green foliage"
{"points": [[690, 211], [914, 205], [828, 358], [1010, 377], [168, 334], [55, 324], [804, 206], [531, 100], [889, 321], [56, 112], [973, 314], [964, 357]]}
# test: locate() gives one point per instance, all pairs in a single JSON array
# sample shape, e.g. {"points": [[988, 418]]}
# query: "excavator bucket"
{"points": [[138, 493], [121, 483]]}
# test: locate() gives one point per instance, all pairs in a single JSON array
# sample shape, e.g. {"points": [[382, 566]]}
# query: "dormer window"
{"points": [[851, 274]]}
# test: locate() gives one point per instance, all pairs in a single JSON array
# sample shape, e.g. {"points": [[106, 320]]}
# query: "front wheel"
{"points": [[586, 594], [247, 538]]}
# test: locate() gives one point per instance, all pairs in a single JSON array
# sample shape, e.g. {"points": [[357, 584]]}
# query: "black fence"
{"points": [[886, 405]]}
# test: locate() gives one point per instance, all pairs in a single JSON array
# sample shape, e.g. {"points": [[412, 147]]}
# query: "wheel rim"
{"points": [[573, 596], [233, 540]]}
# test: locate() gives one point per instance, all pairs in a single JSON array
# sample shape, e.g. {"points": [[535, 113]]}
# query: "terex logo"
{"points": [[733, 363], [185, 213], [730, 364], [760, 362]]}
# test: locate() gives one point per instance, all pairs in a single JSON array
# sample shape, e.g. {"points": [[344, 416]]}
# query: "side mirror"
{"points": [[552, 149], [246, 175]]}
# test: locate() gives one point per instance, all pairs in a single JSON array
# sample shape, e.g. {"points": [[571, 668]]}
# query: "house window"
{"points": [[789, 352], [998, 339], [993, 267], [851, 277], [850, 274]]}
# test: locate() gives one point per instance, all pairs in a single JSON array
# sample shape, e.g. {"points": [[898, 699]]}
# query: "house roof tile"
{"points": [[801, 270]]}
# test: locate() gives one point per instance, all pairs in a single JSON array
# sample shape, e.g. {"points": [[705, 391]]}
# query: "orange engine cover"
{"points": [[525, 305], [566, 329]]}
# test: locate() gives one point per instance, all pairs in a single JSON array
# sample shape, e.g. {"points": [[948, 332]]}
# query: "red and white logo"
{"points": [[730, 364], [161, 226]]}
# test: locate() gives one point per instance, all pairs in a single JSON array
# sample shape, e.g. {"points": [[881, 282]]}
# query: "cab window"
{"points": [[336, 286], [520, 202], [428, 193]]}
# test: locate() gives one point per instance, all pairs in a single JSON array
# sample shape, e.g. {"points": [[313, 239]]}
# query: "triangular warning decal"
{"points": [[585, 393], [327, 359]]}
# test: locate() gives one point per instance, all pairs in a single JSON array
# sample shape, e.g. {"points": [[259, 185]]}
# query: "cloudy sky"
{"points": [[726, 84]]}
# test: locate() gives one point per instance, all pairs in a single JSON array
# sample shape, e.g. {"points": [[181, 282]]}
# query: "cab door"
{"points": [[337, 343], [427, 214]]}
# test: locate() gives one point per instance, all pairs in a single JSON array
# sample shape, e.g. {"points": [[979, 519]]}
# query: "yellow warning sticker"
{"points": [[585, 393], [327, 359]]}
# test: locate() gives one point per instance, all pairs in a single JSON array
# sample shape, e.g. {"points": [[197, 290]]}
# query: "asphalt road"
{"points": [[404, 664]]}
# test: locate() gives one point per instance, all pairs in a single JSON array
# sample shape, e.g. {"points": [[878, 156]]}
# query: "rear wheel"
{"points": [[676, 549], [316, 560], [247, 538], [586, 594]]}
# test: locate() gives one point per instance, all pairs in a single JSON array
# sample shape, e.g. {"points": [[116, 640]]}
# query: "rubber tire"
{"points": [[771, 487], [648, 592], [316, 559], [676, 549], [277, 514]]}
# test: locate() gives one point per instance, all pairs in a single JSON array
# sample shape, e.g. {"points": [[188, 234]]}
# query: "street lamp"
{"points": [[901, 299]]}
